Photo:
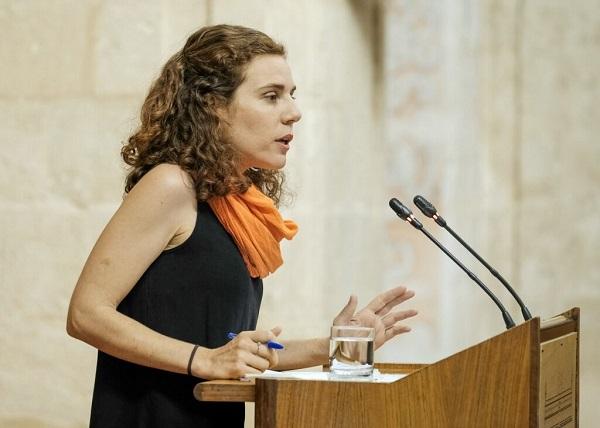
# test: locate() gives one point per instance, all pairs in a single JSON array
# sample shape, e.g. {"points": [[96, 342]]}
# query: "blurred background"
{"points": [[488, 108]]}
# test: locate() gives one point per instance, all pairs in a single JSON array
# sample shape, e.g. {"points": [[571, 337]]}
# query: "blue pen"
{"points": [[270, 344]]}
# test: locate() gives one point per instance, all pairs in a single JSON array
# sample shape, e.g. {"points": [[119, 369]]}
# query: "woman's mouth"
{"points": [[285, 139]]}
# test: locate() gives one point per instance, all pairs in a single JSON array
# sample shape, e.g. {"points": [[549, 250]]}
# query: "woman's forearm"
{"points": [[300, 354], [127, 339], [120, 336]]}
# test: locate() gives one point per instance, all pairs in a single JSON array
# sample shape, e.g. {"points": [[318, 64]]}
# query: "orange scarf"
{"points": [[256, 226]]}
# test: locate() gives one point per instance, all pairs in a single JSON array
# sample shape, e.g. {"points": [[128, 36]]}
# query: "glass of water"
{"points": [[351, 351]]}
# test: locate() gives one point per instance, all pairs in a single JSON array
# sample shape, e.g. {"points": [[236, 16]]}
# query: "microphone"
{"points": [[406, 214], [430, 211]]}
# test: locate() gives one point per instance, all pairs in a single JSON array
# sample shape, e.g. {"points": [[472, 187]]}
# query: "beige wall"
{"points": [[74, 74], [492, 112], [484, 101]]}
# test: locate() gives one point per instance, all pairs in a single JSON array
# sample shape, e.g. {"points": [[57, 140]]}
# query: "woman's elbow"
{"points": [[79, 321], [85, 320], [73, 322]]}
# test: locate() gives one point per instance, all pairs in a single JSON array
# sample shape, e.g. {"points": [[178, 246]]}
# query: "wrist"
{"points": [[322, 352], [199, 362], [191, 359]]}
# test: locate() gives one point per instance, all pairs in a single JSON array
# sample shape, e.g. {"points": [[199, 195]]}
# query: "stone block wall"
{"points": [[487, 108], [491, 112], [74, 76]]}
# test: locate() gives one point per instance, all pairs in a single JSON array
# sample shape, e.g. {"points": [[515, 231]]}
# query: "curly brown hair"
{"points": [[179, 121]]}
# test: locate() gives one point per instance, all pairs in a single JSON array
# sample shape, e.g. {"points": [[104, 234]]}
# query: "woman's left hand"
{"points": [[379, 314]]}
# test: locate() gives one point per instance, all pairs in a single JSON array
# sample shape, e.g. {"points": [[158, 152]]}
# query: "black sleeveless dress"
{"points": [[196, 292]]}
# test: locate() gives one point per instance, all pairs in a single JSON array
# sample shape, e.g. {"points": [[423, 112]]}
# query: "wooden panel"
{"points": [[534, 373], [558, 382], [225, 390], [486, 385], [235, 390], [560, 325], [399, 368]]}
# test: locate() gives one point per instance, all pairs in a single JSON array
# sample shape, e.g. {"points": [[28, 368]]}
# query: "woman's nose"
{"points": [[292, 113]]}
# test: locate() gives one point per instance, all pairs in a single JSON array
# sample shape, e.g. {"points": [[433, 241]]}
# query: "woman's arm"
{"points": [[152, 216], [299, 354]]}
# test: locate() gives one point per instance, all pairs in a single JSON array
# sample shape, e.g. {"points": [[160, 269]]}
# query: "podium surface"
{"points": [[525, 376]]}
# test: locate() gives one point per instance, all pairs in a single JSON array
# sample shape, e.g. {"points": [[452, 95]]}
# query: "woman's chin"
{"points": [[278, 163]]}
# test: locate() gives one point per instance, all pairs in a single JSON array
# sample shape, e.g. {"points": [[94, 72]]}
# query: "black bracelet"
{"points": [[191, 358]]}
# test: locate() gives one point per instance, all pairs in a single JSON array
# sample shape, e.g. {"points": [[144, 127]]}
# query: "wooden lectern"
{"points": [[527, 376]]}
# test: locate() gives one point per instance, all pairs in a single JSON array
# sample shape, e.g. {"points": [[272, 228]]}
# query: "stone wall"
{"points": [[74, 76], [491, 113], [487, 108]]}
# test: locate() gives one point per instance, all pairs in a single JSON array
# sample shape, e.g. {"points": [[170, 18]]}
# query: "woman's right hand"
{"points": [[246, 353]]}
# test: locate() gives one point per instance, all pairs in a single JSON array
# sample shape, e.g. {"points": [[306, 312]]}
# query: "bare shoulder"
{"points": [[165, 194], [159, 210], [166, 185], [166, 180]]}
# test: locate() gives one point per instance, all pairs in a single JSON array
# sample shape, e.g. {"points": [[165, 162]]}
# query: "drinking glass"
{"points": [[351, 351]]}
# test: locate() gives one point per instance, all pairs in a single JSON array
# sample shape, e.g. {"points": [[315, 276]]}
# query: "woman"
{"points": [[181, 262]]}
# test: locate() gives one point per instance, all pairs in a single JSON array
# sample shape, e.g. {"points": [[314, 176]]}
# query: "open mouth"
{"points": [[285, 139]]}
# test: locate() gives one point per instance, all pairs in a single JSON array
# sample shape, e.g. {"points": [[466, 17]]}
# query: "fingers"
{"points": [[396, 330], [269, 354], [347, 312], [260, 360], [381, 300], [393, 317], [260, 356], [244, 357], [260, 336], [392, 324], [385, 302], [255, 343]]}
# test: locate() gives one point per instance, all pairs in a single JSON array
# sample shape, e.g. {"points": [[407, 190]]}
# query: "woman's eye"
{"points": [[271, 96]]}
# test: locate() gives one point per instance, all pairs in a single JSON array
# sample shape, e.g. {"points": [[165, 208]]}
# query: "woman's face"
{"points": [[262, 113]]}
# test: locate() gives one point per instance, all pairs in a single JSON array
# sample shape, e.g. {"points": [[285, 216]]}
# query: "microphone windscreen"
{"points": [[400, 209], [425, 206]]}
